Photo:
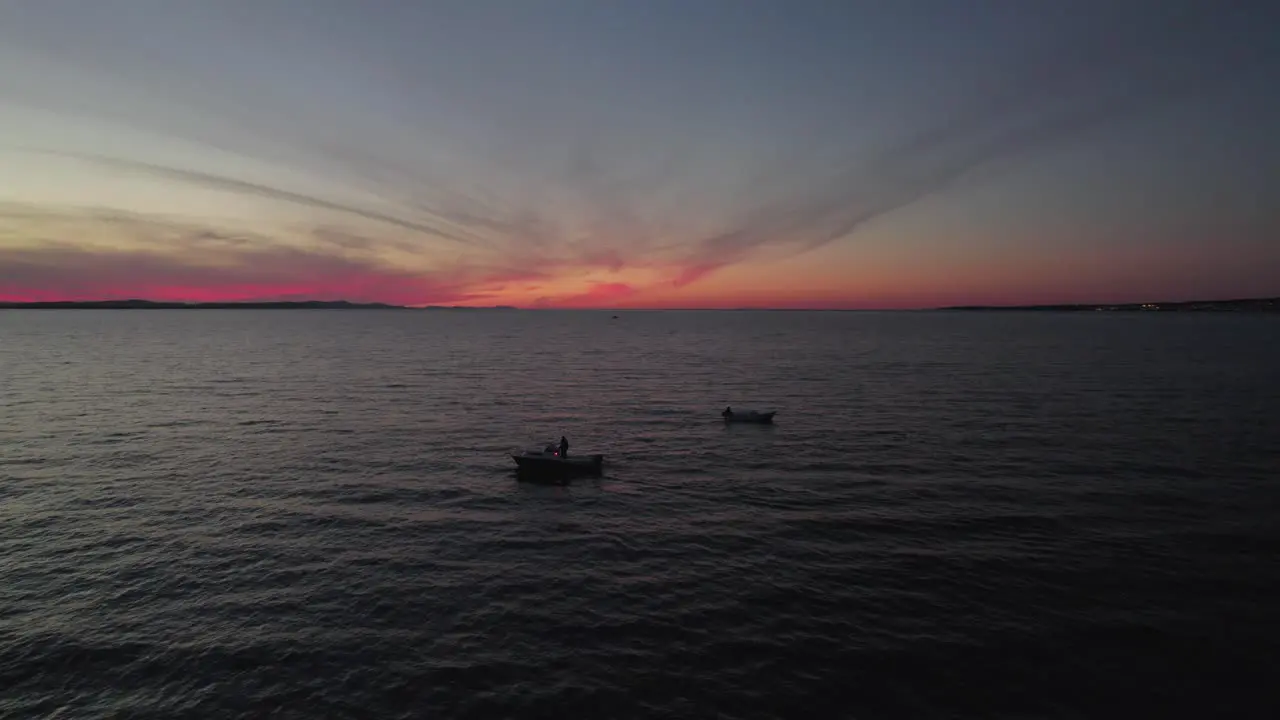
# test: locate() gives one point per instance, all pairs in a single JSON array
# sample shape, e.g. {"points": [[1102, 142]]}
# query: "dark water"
{"points": [[313, 514]]}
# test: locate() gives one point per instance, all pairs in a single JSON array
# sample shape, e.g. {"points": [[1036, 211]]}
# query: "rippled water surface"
{"points": [[313, 515]]}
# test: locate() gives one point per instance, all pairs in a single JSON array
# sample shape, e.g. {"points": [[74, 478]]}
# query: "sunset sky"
{"points": [[640, 153]]}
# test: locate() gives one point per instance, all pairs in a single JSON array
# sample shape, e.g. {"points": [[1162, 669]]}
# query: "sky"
{"points": [[640, 153]]}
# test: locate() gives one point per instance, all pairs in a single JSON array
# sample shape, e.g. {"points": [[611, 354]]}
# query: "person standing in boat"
{"points": [[564, 447]]}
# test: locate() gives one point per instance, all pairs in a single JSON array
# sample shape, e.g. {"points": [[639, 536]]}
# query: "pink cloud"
{"points": [[693, 273], [598, 295]]}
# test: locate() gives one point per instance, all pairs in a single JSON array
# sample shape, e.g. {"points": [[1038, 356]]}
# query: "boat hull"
{"points": [[750, 418], [543, 466]]}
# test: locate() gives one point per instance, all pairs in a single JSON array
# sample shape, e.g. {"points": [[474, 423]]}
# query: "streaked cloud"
{"points": [[423, 151], [110, 255]]}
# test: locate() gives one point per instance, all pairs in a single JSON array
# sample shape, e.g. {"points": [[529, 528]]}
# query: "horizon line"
{"points": [[333, 304]]}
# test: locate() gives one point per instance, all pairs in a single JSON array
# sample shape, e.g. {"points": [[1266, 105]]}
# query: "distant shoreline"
{"points": [[1251, 305], [282, 305], [1239, 305]]}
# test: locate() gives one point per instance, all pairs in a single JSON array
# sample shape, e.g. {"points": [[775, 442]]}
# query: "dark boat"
{"points": [[547, 464], [751, 416]]}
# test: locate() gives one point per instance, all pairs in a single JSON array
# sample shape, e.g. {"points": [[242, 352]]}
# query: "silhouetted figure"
{"points": [[564, 447], [727, 411]]}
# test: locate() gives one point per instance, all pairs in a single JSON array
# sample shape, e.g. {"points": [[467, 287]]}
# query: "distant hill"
{"points": [[1241, 305], [153, 305]]}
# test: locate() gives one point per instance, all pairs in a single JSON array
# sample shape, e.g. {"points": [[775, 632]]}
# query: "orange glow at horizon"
{"points": [[886, 273]]}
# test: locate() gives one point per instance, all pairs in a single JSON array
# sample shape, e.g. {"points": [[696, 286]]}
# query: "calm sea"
{"points": [[313, 514]]}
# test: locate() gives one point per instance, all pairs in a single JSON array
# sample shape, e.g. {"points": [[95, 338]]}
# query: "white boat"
{"points": [[750, 416]]}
